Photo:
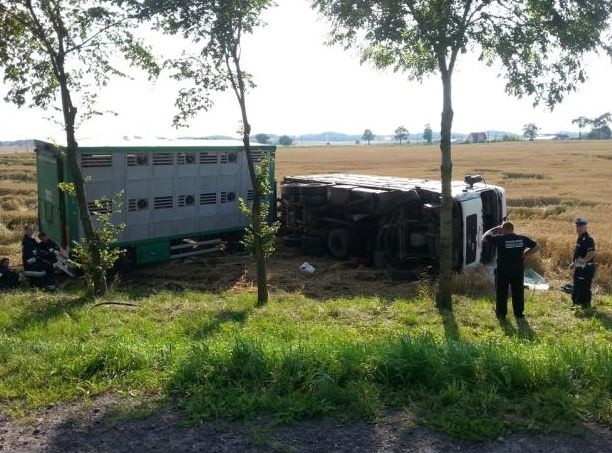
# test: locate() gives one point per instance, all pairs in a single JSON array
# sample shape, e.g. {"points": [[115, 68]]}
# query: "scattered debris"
{"points": [[307, 268], [535, 281], [568, 288]]}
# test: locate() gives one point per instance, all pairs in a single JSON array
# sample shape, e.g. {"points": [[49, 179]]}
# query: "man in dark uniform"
{"points": [[47, 249], [583, 265], [32, 264], [9, 279], [511, 249]]}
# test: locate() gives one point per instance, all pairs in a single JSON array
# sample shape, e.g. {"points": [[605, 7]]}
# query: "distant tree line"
{"points": [[599, 126], [265, 139]]}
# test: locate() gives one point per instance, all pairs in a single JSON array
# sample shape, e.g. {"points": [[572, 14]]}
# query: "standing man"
{"points": [[511, 250], [583, 265]]}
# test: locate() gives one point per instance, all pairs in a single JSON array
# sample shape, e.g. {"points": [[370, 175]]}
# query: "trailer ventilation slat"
{"points": [[250, 195], [163, 202], [208, 198], [186, 200], [257, 156], [100, 207], [227, 197], [138, 159], [185, 158], [137, 204], [96, 160], [163, 159], [228, 158], [208, 158]]}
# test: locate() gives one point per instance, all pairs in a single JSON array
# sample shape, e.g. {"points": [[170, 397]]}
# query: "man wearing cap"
{"points": [[511, 250], [583, 264]]}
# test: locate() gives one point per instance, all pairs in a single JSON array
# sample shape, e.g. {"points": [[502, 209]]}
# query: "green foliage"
{"points": [[37, 56], [218, 27], [601, 133], [427, 133], [401, 133], [530, 131], [368, 136], [260, 232], [600, 130], [510, 138], [538, 43], [262, 138], [581, 121], [104, 241], [68, 188], [285, 140]]}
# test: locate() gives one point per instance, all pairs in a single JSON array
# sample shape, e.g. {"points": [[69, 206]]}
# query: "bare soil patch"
{"points": [[105, 424]]}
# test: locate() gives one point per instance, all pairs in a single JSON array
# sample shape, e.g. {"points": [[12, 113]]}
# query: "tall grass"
{"points": [[214, 355]]}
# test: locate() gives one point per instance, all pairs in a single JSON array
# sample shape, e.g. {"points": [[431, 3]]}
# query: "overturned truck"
{"points": [[388, 222]]}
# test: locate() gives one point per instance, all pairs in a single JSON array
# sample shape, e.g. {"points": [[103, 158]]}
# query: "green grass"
{"points": [[215, 355]]}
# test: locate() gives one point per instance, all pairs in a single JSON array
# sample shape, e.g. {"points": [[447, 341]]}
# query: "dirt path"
{"points": [[95, 426]]}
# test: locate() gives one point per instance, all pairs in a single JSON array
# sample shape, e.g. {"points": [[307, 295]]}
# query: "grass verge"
{"points": [[215, 355]]}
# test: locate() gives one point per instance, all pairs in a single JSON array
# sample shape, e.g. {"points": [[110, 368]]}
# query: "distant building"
{"points": [[561, 137], [553, 137], [477, 137]]}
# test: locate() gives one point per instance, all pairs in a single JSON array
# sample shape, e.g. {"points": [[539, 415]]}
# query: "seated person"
{"points": [[33, 266], [47, 249], [9, 279]]}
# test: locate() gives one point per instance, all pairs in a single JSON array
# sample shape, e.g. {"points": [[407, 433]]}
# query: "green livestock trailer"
{"points": [[177, 196]]}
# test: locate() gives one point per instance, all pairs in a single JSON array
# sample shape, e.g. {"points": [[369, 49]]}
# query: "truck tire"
{"points": [[338, 243]]}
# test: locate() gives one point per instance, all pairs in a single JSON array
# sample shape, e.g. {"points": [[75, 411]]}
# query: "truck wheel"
{"points": [[338, 243]]}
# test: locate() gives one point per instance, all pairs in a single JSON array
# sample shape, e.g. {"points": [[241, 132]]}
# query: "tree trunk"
{"points": [[69, 112], [444, 293], [260, 259]]}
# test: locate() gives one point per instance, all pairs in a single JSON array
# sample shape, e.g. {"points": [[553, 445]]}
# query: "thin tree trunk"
{"points": [[69, 111], [260, 259], [444, 293]]}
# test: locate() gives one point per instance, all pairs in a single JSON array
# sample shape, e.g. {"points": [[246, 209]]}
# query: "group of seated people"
{"points": [[38, 259]]}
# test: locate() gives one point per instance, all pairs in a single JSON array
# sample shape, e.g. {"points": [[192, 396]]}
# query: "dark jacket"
{"points": [[8, 278], [29, 252]]}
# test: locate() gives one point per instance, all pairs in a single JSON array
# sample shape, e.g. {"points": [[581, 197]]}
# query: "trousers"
{"points": [[583, 277], [503, 281]]}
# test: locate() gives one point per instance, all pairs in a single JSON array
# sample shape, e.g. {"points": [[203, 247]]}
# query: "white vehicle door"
{"points": [[472, 231]]}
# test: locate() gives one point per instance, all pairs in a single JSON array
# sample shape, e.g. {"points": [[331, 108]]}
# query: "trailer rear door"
{"points": [[50, 201]]}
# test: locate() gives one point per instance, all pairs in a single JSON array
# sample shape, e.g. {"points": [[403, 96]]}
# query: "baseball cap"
{"points": [[581, 221]]}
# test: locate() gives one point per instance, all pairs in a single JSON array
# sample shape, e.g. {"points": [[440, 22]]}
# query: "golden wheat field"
{"points": [[548, 184]]}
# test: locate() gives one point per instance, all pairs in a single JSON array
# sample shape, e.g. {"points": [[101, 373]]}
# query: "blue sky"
{"points": [[304, 87]]}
